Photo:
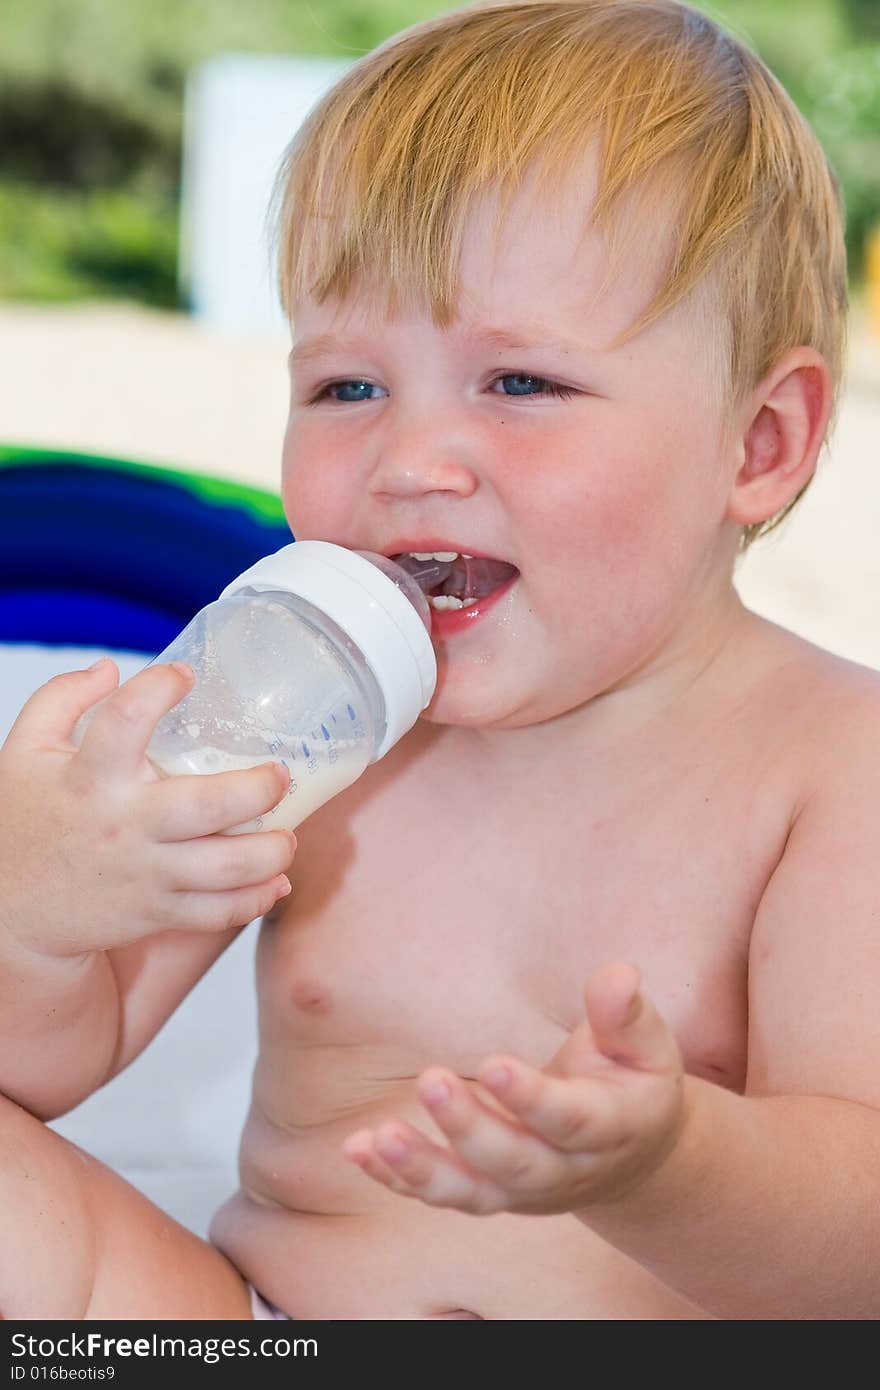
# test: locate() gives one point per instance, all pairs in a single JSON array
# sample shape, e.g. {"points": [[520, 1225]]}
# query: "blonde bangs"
{"points": [[704, 163]]}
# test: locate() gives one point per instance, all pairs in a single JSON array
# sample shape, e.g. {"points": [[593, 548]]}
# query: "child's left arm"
{"points": [[761, 1205]]}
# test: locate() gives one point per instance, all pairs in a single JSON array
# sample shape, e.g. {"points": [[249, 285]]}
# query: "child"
{"points": [[567, 287]]}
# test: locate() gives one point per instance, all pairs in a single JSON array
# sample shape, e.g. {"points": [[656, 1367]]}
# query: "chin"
{"points": [[466, 712]]}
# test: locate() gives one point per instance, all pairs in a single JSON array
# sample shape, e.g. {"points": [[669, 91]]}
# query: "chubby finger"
{"points": [[486, 1139], [118, 732], [574, 1115], [51, 713], [191, 806], [405, 1161], [219, 862], [216, 912], [360, 1148], [626, 1027]]}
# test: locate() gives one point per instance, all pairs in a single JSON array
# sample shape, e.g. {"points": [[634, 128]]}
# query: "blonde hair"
{"points": [[378, 181]]}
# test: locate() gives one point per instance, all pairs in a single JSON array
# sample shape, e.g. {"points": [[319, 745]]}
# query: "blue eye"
{"points": [[522, 385], [356, 386], [527, 385], [355, 392]]}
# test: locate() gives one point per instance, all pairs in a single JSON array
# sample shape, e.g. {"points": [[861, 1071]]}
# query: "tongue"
{"points": [[478, 577], [465, 578]]}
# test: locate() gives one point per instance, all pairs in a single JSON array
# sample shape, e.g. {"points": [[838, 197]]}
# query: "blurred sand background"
{"points": [[158, 387]]}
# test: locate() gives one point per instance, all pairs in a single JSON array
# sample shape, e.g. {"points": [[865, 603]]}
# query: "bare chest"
{"points": [[432, 927]]}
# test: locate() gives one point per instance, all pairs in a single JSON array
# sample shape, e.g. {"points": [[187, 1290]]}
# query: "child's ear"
{"points": [[780, 436]]}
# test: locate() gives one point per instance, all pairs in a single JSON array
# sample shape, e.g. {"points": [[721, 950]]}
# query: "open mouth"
{"points": [[449, 580]]}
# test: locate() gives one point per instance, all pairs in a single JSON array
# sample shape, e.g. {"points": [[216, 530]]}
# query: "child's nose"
{"points": [[429, 451]]}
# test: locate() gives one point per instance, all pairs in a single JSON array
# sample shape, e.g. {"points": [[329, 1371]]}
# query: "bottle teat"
{"points": [[412, 586]]}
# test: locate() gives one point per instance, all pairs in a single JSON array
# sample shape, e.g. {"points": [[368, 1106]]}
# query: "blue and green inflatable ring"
{"points": [[104, 552]]}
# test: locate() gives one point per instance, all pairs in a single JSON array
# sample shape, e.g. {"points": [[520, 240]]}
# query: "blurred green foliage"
{"points": [[864, 16], [62, 244], [91, 103]]}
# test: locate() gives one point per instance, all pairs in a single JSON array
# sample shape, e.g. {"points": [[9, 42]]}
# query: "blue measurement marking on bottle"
{"points": [[325, 731], [351, 714], [305, 749], [333, 717], [289, 756]]}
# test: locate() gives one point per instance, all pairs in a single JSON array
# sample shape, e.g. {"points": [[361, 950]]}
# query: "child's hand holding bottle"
{"points": [[97, 850]]}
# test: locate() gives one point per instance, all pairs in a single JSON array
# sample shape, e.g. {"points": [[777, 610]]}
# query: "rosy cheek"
{"points": [[301, 497], [308, 506], [604, 496], [307, 476]]}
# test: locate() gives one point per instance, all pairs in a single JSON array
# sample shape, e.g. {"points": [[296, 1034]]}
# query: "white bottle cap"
{"points": [[370, 609]]}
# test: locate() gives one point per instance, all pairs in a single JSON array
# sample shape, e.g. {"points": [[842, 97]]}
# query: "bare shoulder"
{"points": [[826, 707], [813, 963], [789, 655]]}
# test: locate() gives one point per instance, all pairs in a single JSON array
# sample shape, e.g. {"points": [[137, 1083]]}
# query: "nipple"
{"points": [[408, 585], [428, 574]]}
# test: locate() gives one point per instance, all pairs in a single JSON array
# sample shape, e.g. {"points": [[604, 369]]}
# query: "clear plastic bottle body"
{"points": [[276, 680], [317, 656]]}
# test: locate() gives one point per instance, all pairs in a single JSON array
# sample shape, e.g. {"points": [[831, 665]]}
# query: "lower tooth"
{"points": [[442, 603]]}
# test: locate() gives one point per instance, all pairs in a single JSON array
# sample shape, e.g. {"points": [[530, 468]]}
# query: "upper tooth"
{"points": [[445, 555]]}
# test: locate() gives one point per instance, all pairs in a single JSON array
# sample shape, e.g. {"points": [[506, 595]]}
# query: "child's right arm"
{"points": [[117, 889]]}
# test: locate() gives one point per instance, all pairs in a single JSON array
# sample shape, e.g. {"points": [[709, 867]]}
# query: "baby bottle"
{"points": [[318, 657]]}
